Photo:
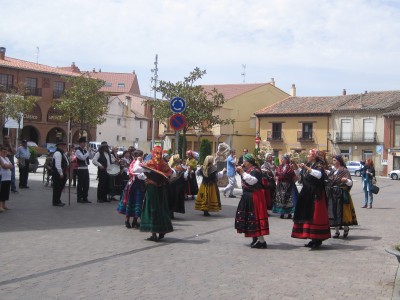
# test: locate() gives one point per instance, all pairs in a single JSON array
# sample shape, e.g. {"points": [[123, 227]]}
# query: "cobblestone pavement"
{"points": [[84, 251]]}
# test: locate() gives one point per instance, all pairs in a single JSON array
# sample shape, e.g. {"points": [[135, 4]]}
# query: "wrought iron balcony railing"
{"points": [[356, 137], [274, 136], [305, 136]]}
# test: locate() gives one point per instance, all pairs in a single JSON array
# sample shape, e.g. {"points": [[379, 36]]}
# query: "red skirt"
{"points": [[252, 215], [267, 193], [318, 228]]}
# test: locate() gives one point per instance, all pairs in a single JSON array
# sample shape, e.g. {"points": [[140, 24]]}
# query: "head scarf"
{"points": [[189, 154], [156, 154], [287, 157], [318, 155], [208, 162], [267, 155], [250, 158], [340, 159], [174, 160]]}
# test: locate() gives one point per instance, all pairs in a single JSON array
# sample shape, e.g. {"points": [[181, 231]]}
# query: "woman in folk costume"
{"points": [[311, 213], [132, 196], [286, 191], [268, 170], [176, 187], [251, 214], [191, 186], [155, 216], [340, 205], [208, 198]]}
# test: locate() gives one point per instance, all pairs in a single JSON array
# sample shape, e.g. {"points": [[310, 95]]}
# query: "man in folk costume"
{"points": [[82, 157], [251, 214], [155, 217], [102, 159], [60, 164], [311, 212]]}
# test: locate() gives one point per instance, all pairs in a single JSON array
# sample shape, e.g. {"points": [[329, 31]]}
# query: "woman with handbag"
{"points": [[340, 205], [367, 174]]}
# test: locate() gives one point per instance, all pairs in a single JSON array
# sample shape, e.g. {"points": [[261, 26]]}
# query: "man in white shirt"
{"points": [[60, 164], [82, 158]]}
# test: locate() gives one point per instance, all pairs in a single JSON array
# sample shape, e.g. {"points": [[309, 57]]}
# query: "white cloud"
{"points": [[273, 38]]}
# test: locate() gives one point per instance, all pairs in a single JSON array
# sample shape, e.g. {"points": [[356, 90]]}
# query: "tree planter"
{"points": [[395, 251]]}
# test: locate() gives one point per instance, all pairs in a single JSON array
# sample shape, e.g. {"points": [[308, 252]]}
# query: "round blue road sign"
{"points": [[177, 105], [177, 122]]}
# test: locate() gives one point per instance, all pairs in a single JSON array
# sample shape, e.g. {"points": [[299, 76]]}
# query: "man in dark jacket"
{"points": [[60, 164]]}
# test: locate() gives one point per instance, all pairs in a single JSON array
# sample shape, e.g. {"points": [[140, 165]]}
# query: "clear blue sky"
{"points": [[321, 46]]}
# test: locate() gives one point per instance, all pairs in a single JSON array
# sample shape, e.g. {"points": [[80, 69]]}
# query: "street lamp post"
{"points": [[155, 99]]}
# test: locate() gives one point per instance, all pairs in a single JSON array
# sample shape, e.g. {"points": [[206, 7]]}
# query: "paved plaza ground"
{"points": [[84, 251]]}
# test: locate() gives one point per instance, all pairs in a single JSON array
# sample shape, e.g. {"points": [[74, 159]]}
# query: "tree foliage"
{"points": [[205, 149], [200, 104], [14, 103], [83, 103]]}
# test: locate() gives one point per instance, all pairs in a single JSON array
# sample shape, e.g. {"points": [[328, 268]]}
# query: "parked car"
{"points": [[395, 174], [120, 151], [94, 146], [354, 167]]}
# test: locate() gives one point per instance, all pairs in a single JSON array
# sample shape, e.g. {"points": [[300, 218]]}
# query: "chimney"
{"points": [[293, 90], [273, 81], [2, 53], [94, 70], [344, 92]]}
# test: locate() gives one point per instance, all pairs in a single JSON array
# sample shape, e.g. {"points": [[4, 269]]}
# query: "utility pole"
{"points": [[155, 99]]}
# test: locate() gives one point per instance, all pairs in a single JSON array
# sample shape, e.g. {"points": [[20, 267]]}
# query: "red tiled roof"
{"points": [[14, 63], [382, 101], [303, 105], [117, 82], [232, 90]]}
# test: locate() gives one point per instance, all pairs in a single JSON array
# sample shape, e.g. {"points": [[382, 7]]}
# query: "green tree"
{"points": [[14, 104], [200, 104], [205, 149], [83, 103]]}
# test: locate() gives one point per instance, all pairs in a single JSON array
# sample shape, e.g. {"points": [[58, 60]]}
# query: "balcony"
{"points": [[6, 88], [305, 137], [31, 91], [356, 138], [274, 136]]}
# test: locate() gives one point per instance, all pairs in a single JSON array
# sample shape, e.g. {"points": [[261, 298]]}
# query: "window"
{"points": [[108, 84], [307, 131], [367, 154], [345, 154], [121, 85], [345, 130], [396, 134], [31, 87], [59, 88], [368, 134], [119, 121], [124, 138], [276, 131], [6, 82], [117, 138], [140, 124]]}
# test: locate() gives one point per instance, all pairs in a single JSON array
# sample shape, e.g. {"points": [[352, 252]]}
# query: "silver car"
{"points": [[354, 167]]}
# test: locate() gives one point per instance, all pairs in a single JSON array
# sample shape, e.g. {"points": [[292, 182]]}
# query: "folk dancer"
{"points": [[311, 212], [251, 214]]}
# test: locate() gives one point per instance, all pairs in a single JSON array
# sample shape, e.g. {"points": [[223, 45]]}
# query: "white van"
{"points": [[94, 146]]}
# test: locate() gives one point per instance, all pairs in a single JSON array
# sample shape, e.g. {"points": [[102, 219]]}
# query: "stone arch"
{"points": [[55, 135], [35, 115], [30, 133]]}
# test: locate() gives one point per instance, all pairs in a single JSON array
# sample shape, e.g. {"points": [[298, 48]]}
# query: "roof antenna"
{"points": [[37, 54], [244, 73]]}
